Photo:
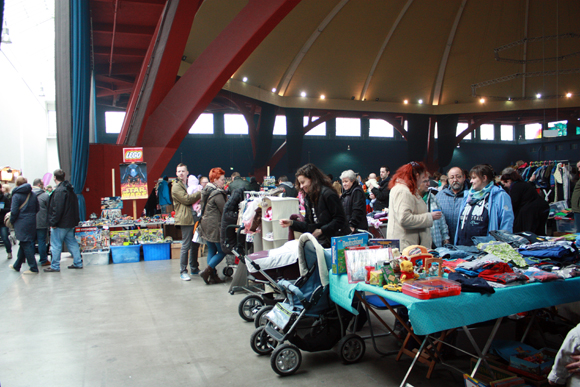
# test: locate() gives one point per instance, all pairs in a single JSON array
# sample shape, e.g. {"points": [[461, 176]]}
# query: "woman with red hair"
{"points": [[409, 220], [213, 199]]}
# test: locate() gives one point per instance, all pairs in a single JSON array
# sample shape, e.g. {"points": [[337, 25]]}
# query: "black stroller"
{"points": [[307, 319]]}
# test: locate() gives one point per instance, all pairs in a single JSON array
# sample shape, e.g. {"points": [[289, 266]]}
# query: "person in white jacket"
{"points": [[566, 369], [409, 220]]}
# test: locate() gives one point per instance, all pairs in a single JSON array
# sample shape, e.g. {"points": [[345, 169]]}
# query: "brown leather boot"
{"points": [[214, 278], [206, 274]]}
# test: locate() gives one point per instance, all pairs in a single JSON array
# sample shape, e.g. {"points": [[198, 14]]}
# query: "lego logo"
{"points": [[134, 155]]}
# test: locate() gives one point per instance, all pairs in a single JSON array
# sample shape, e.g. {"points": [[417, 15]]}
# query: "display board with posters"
{"points": [[134, 181], [92, 238]]}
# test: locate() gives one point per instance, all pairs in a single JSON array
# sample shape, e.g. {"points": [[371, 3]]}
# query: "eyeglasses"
{"points": [[414, 164]]}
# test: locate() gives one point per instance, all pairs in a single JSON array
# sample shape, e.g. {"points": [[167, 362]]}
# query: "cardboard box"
{"points": [[339, 244], [539, 363], [175, 250]]}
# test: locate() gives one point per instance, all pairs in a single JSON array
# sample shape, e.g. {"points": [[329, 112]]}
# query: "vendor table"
{"points": [[440, 314]]}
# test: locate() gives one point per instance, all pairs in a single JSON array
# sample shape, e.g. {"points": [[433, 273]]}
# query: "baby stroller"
{"points": [[264, 269], [306, 320]]}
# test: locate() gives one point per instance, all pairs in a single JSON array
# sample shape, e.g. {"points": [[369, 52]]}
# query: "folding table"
{"points": [[442, 314]]}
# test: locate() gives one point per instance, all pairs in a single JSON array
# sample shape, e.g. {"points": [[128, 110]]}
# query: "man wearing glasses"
{"points": [[451, 197]]}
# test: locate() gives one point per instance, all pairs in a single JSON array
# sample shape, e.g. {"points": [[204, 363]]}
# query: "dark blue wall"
{"points": [[234, 153]]}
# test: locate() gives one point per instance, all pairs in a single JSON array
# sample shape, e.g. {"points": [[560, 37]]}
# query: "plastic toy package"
{"points": [[360, 261], [433, 287]]}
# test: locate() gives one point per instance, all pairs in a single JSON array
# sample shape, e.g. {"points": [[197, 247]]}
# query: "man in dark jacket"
{"points": [[41, 221], [4, 232], [23, 217], [237, 182], [289, 190], [63, 217], [382, 192]]}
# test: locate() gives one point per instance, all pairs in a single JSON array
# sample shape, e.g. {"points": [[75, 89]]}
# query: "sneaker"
{"points": [[9, 256], [185, 277], [30, 272], [47, 263], [51, 270], [12, 267], [75, 267], [195, 271]]}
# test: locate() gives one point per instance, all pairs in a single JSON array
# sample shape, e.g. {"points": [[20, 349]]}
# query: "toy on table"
{"points": [[407, 272]]}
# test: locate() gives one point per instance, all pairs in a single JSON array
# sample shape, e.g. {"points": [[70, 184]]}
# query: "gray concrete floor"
{"points": [[138, 324]]}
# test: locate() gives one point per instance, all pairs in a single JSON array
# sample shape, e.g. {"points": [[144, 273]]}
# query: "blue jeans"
{"points": [[26, 251], [577, 221], [214, 254], [41, 234], [4, 233], [67, 235]]}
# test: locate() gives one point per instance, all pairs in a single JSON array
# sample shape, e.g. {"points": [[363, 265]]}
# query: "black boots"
{"points": [[210, 276]]}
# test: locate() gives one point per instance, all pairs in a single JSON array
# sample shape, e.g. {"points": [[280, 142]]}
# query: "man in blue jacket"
{"points": [[451, 197], [63, 217]]}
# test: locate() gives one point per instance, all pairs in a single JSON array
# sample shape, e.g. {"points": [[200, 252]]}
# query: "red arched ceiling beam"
{"points": [[168, 125]]}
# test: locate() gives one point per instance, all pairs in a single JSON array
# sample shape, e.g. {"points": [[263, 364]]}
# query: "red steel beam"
{"points": [[170, 122]]}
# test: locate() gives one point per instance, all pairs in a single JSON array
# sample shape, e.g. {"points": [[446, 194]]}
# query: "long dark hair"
{"points": [[318, 180]]}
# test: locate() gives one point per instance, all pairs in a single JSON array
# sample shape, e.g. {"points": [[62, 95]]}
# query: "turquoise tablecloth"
{"points": [[429, 316]]}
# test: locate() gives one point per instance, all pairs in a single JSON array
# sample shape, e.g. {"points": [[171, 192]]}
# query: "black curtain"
{"points": [[294, 138], [417, 136], [265, 130], [446, 128]]}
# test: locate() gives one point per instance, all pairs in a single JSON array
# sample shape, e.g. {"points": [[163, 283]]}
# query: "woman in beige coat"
{"points": [[409, 220]]}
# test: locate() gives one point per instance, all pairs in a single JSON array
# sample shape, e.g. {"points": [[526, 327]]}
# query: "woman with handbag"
{"points": [[213, 200], [23, 217]]}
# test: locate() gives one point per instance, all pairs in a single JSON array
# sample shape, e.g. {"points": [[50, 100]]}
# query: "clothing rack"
{"points": [[546, 162], [548, 190]]}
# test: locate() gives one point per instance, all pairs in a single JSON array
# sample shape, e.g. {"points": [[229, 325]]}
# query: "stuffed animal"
{"points": [[407, 272]]}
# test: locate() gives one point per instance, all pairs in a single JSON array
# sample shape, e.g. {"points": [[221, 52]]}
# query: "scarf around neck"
{"points": [[476, 196]]}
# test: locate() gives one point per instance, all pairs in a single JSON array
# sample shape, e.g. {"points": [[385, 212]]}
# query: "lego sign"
{"points": [[132, 155]]}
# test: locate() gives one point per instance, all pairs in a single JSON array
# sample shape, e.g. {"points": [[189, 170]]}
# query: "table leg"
{"points": [[413, 362], [481, 353]]}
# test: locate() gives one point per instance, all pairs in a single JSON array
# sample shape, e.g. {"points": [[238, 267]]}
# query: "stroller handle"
{"points": [[291, 288]]}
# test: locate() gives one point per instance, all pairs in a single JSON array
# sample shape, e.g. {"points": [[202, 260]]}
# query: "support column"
{"points": [[365, 125], [294, 138], [169, 123], [331, 129]]}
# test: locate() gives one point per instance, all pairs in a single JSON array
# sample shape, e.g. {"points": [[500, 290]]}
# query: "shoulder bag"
{"points": [[7, 221]]}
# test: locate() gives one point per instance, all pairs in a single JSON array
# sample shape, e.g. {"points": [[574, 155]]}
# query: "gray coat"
{"points": [[24, 220], [42, 215]]}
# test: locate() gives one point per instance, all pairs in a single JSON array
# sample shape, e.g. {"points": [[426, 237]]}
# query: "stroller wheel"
{"points": [[351, 348], [260, 317], [249, 306], [286, 359], [261, 342], [228, 271]]}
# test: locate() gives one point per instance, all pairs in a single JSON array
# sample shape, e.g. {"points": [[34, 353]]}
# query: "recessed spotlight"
{"points": [[273, 90], [322, 96], [509, 98], [569, 95], [303, 94], [406, 101], [420, 101], [482, 100], [245, 79], [538, 96]]}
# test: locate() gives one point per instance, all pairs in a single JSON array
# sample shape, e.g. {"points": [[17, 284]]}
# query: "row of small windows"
{"points": [[349, 127]]}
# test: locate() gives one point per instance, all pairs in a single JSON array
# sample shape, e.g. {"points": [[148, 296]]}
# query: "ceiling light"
{"points": [[569, 95], [538, 96], [482, 100], [245, 79], [273, 90], [303, 94], [509, 98], [420, 101], [406, 101], [322, 96]]}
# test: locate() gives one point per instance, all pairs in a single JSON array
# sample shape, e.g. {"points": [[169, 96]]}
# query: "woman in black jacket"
{"points": [[325, 216], [24, 221], [354, 202], [530, 210]]}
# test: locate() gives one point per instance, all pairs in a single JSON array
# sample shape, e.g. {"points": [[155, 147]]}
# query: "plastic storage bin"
{"points": [[126, 254], [566, 225], [434, 287], [157, 251], [96, 258]]}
